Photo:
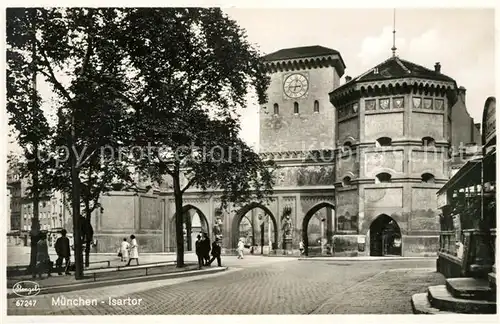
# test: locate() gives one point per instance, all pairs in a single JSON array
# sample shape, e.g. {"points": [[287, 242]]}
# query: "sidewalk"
{"points": [[107, 277], [364, 258]]}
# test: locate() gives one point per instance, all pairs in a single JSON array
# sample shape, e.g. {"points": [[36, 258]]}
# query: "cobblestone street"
{"points": [[263, 285]]}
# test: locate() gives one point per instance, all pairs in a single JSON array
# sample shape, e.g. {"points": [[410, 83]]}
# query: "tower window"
{"points": [[276, 109], [427, 178], [428, 141], [346, 181], [383, 178], [316, 106], [295, 107], [384, 141]]}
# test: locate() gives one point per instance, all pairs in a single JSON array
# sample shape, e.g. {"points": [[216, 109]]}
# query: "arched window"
{"points": [[428, 178], [276, 109], [384, 141], [295, 107], [346, 181], [316, 106], [428, 141], [383, 177]]}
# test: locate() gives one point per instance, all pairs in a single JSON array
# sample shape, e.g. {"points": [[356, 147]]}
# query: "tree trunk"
{"points": [[179, 218], [35, 223], [75, 187]]}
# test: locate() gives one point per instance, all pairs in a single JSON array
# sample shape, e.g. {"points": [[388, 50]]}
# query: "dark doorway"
{"points": [[385, 237]]}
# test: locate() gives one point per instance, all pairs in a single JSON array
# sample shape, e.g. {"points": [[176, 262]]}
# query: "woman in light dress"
{"points": [[124, 250], [241, 246], [134, 250]]}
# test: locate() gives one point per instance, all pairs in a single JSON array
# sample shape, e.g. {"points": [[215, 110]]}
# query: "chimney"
{"points": [[348, 78], [437, 67], [461, 93]]}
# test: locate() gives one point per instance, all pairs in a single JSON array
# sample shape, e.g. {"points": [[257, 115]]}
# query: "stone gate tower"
{"points": [[394, 125]]}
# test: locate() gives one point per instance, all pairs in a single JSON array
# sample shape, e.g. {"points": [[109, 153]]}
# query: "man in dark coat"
{"points": [[206, 248], [216, 251], [63, 252], [199, 251]]}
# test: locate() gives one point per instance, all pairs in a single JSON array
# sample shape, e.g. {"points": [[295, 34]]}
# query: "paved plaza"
{"points": [[262, 285]]}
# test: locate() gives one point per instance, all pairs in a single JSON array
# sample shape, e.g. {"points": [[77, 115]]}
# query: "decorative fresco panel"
{"points": [[370, 105], [355, 108], [417, 102], [398, 103], [428, 103], [383, 197], [439, 104], [305, 176], [384, 104]]}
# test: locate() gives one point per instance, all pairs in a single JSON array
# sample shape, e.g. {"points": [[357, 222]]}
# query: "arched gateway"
{"points": [[385, 237], [235, 227], [195, 222], [325, 230]]}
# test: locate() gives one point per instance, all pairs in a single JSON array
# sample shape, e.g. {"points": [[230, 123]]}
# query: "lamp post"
{"points": [[323, 236]]}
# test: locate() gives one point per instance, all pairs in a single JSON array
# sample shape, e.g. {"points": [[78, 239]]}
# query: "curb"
{"points": [[115, 282], [352, 259]]}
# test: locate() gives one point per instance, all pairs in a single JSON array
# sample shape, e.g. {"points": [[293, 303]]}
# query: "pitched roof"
{"points": [[300, 52], [395, 68]]}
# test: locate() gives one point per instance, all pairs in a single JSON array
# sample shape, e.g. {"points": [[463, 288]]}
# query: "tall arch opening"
{"points": [[256, 225], [194, 223], [385, 237], [317, 229]]}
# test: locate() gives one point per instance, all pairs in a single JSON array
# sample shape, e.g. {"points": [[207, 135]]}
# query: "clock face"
{"points": [[295, 85]]}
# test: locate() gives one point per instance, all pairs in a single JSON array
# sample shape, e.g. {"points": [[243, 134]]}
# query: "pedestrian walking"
{"points": [[206, 248], [134, 250], [124, 247], [216, 252], [63, 253], [241, 246], [42, 256], [301, 247], [199, 251]]}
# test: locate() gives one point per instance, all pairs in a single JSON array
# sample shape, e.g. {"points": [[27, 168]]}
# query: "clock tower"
{"points": [[298, 115]]}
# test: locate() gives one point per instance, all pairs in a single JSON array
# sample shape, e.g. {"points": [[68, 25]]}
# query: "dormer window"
{"points": [[384, 141], [296, 108], [428, 141], [383, 177], [316, 106], [276, 109], [428, 178]]}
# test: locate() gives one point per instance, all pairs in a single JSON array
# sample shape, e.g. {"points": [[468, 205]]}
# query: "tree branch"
{"points": [[51, 74], [189, 184]]}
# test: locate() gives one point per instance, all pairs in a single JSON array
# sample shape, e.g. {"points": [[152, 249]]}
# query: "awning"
{"points": [[468, 175]]}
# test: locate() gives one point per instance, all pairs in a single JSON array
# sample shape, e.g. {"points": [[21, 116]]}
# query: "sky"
{"points": [[462, 40]]}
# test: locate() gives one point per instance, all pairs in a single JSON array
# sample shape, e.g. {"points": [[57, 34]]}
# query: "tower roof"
{"points": [[396, 68], [300, 52]]}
